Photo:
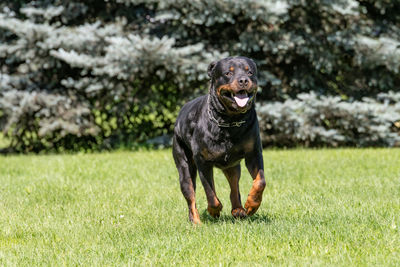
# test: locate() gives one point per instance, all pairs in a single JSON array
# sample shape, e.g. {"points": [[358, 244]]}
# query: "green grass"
{"points": [[321, 207]]}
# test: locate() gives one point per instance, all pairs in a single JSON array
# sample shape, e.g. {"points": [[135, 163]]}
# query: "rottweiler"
{"points": [[220, 129]]}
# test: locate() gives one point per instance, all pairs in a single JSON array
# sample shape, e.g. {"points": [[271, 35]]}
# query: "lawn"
{"points": [[321, 207]]}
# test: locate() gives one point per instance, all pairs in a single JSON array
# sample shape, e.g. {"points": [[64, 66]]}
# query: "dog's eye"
{"points": [[228, 74], [249, 73]]}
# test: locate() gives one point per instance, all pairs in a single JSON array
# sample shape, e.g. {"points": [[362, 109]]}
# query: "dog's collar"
{"points": [[222, 124]]}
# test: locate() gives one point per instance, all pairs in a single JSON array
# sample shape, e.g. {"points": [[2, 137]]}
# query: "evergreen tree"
{"points": [[100, 73]]}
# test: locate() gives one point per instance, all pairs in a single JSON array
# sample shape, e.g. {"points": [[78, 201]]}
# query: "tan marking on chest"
{"points": [[210, 155], [249, 146]]}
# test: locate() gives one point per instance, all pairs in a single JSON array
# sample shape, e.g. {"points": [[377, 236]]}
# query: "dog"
{"points": [[219, 130]]}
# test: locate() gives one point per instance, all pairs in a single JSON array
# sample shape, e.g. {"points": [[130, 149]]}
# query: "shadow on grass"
{"points": [[256, 218]]}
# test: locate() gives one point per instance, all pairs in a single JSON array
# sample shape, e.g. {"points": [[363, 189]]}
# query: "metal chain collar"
{"points": [[222, 124]]}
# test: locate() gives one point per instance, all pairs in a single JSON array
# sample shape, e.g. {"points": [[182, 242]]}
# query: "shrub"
{"points": [[101, 73], [91, 85], [310, 120]]}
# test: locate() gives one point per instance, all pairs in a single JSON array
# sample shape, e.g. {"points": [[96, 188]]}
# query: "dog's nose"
{"points": [[243, 81]]}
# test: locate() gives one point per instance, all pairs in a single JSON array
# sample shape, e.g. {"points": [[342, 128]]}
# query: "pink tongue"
{"points": [[241, 99]]}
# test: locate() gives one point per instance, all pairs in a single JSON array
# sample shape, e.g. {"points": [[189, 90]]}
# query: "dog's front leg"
{"points": [[207, 179], [255, 166], [233, 176]]}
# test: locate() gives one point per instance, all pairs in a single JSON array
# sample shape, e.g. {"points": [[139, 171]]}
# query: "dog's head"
{"points": [[234, 83]]}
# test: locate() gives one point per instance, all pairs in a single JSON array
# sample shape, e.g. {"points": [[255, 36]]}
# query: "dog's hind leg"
{"points": [[187, 177], [207, 179], [233, 176]]}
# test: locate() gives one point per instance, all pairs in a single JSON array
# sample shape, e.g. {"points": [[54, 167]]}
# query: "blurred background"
{"points": [[95, 75]]}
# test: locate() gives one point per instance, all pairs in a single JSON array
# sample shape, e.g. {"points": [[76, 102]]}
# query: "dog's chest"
{"points": [[224, 150], [221, 152]]}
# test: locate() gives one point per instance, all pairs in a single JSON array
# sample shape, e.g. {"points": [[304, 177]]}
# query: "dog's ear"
{"points": [[254, 64], [210, 68]]}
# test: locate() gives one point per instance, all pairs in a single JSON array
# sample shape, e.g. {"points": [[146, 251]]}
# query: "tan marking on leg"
{"points": [[239, 213], [215, 208], [255, 196]]}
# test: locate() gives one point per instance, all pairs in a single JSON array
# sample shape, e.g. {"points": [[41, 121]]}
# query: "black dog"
{"points": [[220, 129]]}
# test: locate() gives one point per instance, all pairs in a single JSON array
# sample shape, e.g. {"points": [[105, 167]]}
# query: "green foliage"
{"points": [[121, 68], [329, 121], [320, 207]]}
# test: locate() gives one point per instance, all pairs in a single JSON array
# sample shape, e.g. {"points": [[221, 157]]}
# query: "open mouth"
{"points": [[241, 98]]}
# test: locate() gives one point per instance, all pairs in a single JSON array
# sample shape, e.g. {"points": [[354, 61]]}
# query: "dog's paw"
{"points": [[239, 213], [215, 211], [255, 196], [252, 204], [194, 217]]}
